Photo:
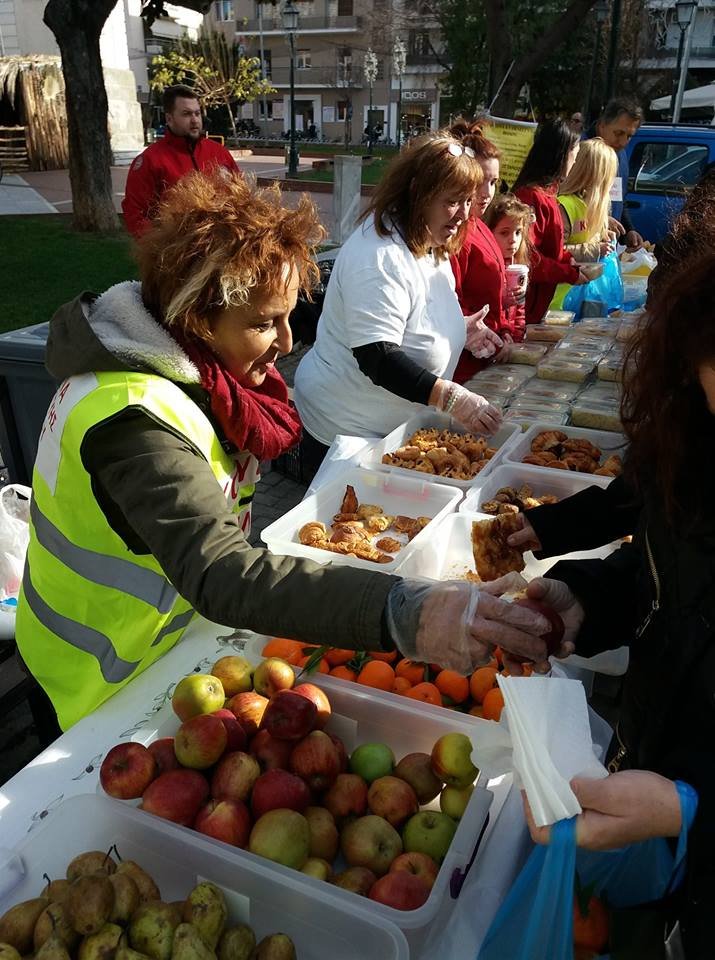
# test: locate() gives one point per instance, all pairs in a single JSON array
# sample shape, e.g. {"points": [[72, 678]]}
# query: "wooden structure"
{"points": [[33, 93]]}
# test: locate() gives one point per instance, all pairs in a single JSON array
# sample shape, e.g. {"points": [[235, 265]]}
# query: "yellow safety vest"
{"points": [[92, 615], [576, 211]]}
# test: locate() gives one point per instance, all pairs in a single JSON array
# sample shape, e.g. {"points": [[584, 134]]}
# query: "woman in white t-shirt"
{"points": [[391, 330]]}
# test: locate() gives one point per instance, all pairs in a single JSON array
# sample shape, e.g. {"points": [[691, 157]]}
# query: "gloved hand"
{"points": [[457, 624], [472, 411], [556, 594], [481, 341]]}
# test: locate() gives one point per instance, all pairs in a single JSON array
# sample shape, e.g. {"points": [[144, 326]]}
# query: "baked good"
{"points": [[493, 557]]}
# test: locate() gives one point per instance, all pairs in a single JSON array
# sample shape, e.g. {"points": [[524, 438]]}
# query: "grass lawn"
{"points": [[371, 172], [45, 263]]}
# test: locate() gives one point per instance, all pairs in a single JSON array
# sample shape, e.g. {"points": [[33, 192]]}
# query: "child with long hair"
{"points": [[509, 221]]}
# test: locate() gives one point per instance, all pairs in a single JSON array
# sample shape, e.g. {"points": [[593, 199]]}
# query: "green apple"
{"points": [[453, 801], [235, 673], [318, 868], [283, 836], [372, 760], [429, 832], [452, 760], [198, 693]]}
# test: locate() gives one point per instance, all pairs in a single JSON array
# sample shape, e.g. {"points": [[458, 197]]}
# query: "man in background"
{"points": [[181, 150]]}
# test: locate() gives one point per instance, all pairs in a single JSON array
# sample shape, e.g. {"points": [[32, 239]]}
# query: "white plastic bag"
{"points": [[639, 263], [14, 536]]}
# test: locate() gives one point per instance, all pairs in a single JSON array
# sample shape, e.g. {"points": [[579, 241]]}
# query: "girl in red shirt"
{"points": [[509, 221], [548, 163]]}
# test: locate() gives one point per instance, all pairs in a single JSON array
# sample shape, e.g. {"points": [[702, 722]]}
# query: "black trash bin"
{"points": [[26, 389]]}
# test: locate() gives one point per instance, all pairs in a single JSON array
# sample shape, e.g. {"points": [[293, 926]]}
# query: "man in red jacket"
{"points": [[181, 150]]}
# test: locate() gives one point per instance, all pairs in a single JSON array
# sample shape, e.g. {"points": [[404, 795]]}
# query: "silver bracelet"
{"points": [[451, 399]]}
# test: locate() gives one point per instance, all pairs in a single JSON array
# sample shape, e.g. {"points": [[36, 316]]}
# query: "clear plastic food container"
{"points": [[528, 353], [597, 414], [526, 417], [542, 332], [602, 390], [611, 366], [559, 318], [573, 370], [540, 403], [543, 389], [598, 326]]}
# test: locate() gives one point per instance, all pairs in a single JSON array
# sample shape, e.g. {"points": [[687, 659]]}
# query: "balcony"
{"points": [[422, 60], [306, 25], [330, 77]]}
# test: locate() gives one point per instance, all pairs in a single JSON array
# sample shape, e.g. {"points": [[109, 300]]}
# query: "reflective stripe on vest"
{"points": [[576, 211], [92, 614]]}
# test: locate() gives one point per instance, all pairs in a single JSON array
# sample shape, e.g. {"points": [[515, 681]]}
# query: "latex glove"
{"points": [[473, 412], [626, 807], [557, 595], [457, 624], [481, 341], [524, 538]]}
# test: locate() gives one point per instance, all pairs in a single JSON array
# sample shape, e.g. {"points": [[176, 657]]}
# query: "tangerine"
{"points": [[386, 656], [337, 657], [401, 685], [427, 693], [493, 704], [481, 682], [284, 649], [323, 665], [476, 711], [411, 670], [452, 685], [344, 673], [378, 674], [590, 930]]}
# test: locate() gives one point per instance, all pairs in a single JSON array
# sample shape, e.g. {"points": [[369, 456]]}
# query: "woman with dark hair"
{"points": [[478, 267], [548, 163], [657, 595]]}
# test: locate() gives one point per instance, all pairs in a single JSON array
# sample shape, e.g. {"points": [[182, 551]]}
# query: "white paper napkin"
{"points": [[544, 738]]}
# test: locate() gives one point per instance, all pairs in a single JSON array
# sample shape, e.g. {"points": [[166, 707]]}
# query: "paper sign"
{"points": [[514, 139], [617, 190], [329, 114], [278, 110]]}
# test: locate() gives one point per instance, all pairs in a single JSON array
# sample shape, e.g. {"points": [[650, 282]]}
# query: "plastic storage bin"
{"points": [[597, 414], [557, 483], [372, 460], [609, 443], [26, 389], [270, 900], [408, 494]]}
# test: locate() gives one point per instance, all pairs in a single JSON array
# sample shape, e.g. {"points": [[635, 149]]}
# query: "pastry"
{"points": [[493, 557]]}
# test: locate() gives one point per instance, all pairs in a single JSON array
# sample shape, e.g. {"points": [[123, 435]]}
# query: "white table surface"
{"points": [[71, 765]]}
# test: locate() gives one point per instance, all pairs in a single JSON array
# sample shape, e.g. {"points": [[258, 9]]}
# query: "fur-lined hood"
{"points": [[114, 332]]}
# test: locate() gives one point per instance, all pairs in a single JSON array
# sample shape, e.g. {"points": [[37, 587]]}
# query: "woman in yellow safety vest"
{"points": [[147, 462]]}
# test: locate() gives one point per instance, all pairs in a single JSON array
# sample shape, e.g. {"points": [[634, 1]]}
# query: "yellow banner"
{"points": [[514, 138]]}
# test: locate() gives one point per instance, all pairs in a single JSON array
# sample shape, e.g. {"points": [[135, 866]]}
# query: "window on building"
{"points": [[267, 62], [341, 109], [345, 8], [302, 59], [418, 44], [269, 109], [380, 69], [223, 10], [344, 64]]}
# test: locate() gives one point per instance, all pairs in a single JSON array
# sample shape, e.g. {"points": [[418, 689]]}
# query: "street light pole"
{"points": [[399, 59], [370, 68], [601, 13], [684, 15], [290, 15]]}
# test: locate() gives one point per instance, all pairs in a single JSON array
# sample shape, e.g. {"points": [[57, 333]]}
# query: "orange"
{"points": [[337, 657], [427, 693], [323, 665], [493, 704], [452, 685], [411, 670], [481, 682], [401, 685], [387, 657], [377, 674], [344, 673], [476, 711], [283, 648], [590, 930]]}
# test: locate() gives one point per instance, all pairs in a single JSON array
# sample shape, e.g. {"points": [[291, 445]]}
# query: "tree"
{"points": [[76, 25], [217, 71]]}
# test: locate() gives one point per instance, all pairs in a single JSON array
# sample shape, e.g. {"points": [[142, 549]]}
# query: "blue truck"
{"points": [[664, 163]]}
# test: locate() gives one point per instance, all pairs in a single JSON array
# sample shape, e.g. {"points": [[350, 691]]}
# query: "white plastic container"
{"points": [[557, 483], [608, 442], [407, 494], [372, 459], [270, 900]]}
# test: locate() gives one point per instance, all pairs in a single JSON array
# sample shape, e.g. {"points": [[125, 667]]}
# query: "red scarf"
{"points": [[258, 419]]}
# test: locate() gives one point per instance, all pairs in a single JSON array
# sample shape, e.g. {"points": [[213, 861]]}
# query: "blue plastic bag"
{"points": [[606, 290], [535, 922]]}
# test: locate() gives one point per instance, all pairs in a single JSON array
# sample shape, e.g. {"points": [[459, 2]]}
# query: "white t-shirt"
{"points": [[378, 291]]}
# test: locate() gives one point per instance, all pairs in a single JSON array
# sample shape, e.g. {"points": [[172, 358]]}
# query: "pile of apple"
{"points": [[255, 768]]}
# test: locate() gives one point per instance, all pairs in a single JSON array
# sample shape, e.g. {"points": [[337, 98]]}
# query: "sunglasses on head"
{"points": [[457, 149]]}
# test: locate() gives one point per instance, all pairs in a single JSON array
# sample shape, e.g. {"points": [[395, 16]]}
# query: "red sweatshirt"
{"points": [[159, 167], [550, 262], [479, 278]]}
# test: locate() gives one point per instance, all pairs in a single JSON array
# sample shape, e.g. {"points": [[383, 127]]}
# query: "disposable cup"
{"points": [[516, 277]]}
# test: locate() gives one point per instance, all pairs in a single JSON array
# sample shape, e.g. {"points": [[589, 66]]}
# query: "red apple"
{"points": [[127, 771], [272, 675], [235, 674], [555, 634], [452, 760], [370, 842], [393, 799], [236, 738], [315, 759], [319, 698], [323, 833], [278, 789], [234, 777], [289, 716], [271, 753], [198, 693], [163, 752], [347, 797], [416, 769], [227, 820], [248, 708], [342, 752], [176, 795], [419, 864], [358, 880], [200, 741], [402, 891]]}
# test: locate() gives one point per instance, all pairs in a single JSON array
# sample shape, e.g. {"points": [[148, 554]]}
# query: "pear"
{"points": [[237, 943], [89, 903], [279, 946], [8, 952], [151, 929], [85, 864], [56, 890], [18, 924], [53, 949], [205, 908], [54, 919], [125, 952], [126, 897], [189, 944], [148, 890], [101, 945]]}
